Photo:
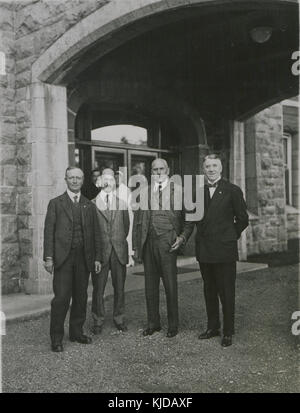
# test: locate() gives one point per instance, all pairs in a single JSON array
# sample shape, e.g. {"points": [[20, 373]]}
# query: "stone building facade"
{"points": [[65, 60], [265, 180]]}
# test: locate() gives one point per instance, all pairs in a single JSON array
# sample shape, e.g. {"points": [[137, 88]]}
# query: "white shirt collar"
{"points": [[163, 185], [104, 194], [101, 200], [72, 194], [214, 182]]}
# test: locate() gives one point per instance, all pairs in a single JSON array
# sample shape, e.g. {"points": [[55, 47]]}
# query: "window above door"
{"points": [[121, 134]]}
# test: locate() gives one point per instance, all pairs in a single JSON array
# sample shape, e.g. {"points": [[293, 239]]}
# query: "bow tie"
{"points": [[212, 185]]}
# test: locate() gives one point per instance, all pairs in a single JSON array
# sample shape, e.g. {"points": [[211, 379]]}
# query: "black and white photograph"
{"points": [[150, 199]]}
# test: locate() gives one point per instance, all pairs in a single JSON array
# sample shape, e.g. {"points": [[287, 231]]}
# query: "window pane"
{"points": [[126, 134], [287, 186], [108, 160], [77, 158]]}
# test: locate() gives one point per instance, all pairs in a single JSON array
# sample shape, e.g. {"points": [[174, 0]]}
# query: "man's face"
{"points": [[95, 176], [139, 170], [108, 182], [159, 170], [212, 169], [74, 179]]}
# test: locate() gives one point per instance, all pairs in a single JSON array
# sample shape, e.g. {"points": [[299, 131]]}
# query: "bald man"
{"points": [[157, 235], [113, 222], [71, 252]]}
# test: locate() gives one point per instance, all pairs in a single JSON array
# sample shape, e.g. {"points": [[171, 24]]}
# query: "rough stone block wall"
{"points": [[10, 252], [27, 29], [269, 230], [293, 223]]}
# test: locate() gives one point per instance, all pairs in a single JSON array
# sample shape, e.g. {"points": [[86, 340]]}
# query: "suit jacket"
{"points": [[224, 220], [113, 233], [141, 221], [58, 230], [90, 191]]}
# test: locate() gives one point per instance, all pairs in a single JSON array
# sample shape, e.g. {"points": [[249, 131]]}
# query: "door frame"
{"points": [[109, 150], [127, 153], [139, 152]]}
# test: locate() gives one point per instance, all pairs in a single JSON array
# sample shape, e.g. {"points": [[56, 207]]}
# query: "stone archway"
{"points": [[183, 115], [112, 18], [152, 104]]}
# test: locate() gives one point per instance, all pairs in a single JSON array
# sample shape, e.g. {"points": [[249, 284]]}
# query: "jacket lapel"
{"points": [[66, 203], [84, 205], [215, 201], [150, 196], [166, 194], [103, 209], [115, 205]]}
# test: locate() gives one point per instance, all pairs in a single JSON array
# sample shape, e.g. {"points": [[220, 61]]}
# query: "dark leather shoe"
{"points": [[226, 341], [97, 330], [122, 327], [81, 339], [209, 334], [57, 348], [150, 331], [172, 333]]}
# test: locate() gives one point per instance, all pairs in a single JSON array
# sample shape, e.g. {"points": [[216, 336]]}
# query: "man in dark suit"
{"points": [[71, 251], [157, 235], [225, 218], [113, 220]]}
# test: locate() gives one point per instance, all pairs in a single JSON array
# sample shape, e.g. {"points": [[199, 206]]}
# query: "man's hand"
{"points": [[130, 261], [48, 264], [136, 258], [179, 241], [97, 267]]}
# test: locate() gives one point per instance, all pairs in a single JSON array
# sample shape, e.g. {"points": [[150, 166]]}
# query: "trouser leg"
{"points": [[118, 276], [169, 277], [152, 280], [226, 276], [210, 295], [62, 288], [79, 294], [99, 283]]}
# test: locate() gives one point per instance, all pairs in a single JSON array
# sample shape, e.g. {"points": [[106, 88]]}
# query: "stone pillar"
{"points": [[237, 171], [49, 144], [9, 248], [264, 133], [296, 170]]}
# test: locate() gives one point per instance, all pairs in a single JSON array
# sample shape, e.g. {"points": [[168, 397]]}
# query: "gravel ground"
{"points": [[264, 357]]}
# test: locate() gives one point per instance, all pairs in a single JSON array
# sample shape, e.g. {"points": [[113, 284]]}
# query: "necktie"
{"points": [[107, 201], [76, 199], [160, 195]]}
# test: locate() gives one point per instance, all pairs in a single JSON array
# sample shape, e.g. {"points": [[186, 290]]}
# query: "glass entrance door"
{"points": [[108, 158], [137, 161], [140, 163]]}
